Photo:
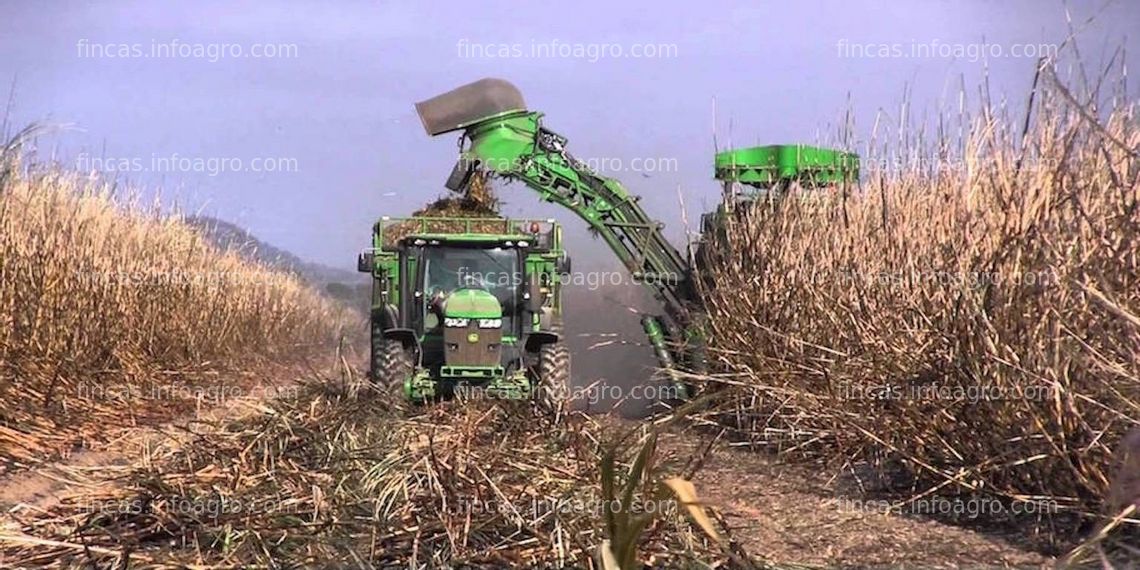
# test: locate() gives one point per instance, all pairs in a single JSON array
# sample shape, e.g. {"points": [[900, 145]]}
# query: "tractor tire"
{"points": [[391, 364], [554, 378]]}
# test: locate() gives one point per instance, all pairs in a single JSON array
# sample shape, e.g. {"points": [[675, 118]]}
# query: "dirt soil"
{"points": [[790, 514]]}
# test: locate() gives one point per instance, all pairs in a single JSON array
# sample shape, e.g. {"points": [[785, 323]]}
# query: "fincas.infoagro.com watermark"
{"points": [[177, 163], [590, 280], [556, 49], [968, 51], [211, 52]]}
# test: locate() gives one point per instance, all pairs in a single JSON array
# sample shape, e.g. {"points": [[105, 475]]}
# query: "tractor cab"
{"points": [[467, 303]]}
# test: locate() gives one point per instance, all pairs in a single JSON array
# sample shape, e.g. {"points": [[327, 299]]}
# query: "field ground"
{"points": [[791, 514], [783, 513], [40, 486]]}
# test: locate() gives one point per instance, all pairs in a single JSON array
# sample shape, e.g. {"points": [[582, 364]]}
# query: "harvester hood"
{"points": [[472, 331], [472, 304]]}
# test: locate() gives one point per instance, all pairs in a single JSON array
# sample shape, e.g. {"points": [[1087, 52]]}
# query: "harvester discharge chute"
{"points": [[470, 104]]}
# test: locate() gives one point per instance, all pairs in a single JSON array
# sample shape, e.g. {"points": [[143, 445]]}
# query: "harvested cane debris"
{"points": [[330, 478]]}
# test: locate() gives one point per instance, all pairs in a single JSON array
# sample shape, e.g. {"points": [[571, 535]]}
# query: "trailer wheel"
{"points": [[391, 364], [554, 378]]}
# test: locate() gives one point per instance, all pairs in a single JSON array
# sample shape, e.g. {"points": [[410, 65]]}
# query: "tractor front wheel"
{"points": [[391, 364], [554, 377]]}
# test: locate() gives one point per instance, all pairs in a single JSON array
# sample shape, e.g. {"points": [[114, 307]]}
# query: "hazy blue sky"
{"points": [[334, 109]]}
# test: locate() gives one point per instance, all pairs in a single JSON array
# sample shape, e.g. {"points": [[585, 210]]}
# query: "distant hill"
{"points": [[335, 282]]}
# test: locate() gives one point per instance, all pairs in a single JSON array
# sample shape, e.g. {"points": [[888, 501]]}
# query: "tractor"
{"points": [[468, 304]]}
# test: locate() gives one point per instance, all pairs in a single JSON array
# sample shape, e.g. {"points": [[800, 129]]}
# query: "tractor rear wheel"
{"points": [[554, 377], [391, 364]]}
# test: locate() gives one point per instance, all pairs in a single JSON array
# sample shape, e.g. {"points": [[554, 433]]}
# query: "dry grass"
{"points": [[344, 476], [109, 309], [859, 326]]}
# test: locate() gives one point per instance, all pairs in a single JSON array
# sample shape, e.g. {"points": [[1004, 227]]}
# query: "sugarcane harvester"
{"points": [[501, 136]]}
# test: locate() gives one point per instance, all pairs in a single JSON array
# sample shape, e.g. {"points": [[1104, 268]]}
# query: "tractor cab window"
{"points": [[495, 270]]}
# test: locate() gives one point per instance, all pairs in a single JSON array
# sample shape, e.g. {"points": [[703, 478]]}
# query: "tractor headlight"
{"points": [[490, 323], [452, 322]]}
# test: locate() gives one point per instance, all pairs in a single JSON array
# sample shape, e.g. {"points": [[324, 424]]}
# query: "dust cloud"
{"points": [[612, 363]]}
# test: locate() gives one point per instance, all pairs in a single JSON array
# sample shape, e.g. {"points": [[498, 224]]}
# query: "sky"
{"points": [[296, 120]]}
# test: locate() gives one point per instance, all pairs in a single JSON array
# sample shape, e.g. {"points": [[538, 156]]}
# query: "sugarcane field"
{"points": [[741, 285]]}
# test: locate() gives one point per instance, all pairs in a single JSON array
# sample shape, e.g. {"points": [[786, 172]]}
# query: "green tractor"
{"points": [[468, 304]]}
